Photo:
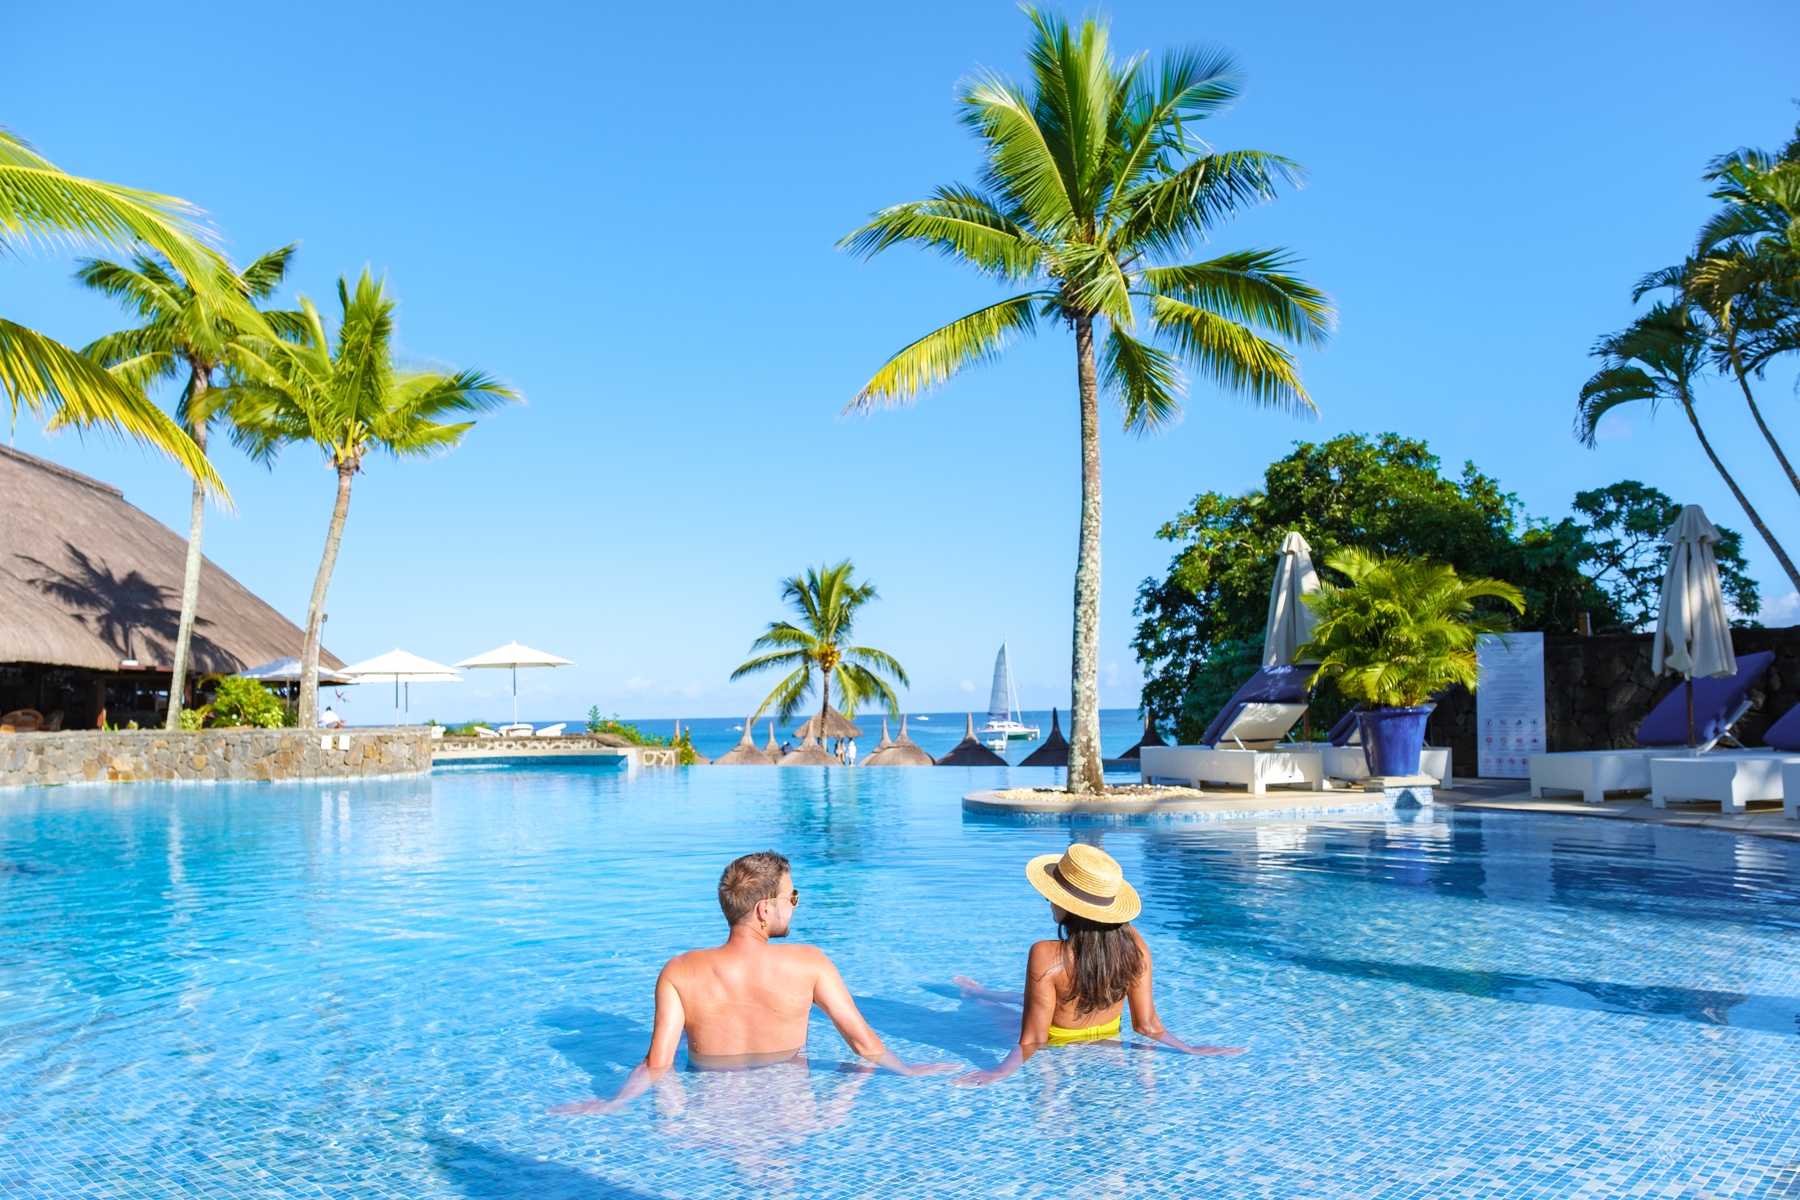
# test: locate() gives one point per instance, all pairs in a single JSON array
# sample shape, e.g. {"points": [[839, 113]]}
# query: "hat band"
{"points": [[1080, 893]]}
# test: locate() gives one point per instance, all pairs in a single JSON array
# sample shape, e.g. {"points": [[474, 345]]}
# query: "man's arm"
{"points": [[665, 1036], [834, 999]]}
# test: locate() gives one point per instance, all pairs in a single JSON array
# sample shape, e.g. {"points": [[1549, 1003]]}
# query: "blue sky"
{"points": [[631, 215]]}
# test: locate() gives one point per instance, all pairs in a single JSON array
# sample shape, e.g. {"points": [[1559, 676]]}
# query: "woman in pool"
{"points": [[1076, 987]]}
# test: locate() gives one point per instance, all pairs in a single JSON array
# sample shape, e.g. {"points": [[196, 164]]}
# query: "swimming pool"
{"points": [[376, 991]]}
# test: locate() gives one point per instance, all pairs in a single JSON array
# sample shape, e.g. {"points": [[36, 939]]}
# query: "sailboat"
{"points": [[1003, 724]]}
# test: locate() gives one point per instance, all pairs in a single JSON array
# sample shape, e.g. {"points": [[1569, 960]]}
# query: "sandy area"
{"points": [[1120, 791]]}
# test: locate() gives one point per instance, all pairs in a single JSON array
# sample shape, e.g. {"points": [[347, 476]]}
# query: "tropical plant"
{"points": [[348, 396], [1659, 357], [239, 701], [1095, 187], [180, 334], [1404, 630], [625, 729], [1201, 623], [1627, 556], [43, 204], [817, 651]]}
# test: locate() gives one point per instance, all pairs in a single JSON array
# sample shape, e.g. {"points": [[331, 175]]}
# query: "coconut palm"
{"points": [[1656, 358], [180, 334], [827, 600], [348, 396], [1094, 189], [40, 203]]}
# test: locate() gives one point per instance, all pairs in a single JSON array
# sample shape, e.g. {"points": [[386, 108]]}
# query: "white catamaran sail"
{"points": [[1003, 714]]}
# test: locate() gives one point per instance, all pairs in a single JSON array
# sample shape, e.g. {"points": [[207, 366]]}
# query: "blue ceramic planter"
{"points": [[1392, 738]]}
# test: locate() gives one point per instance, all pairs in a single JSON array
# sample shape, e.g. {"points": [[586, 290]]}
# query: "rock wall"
{"points": [[1597, 689], [262, 755]]}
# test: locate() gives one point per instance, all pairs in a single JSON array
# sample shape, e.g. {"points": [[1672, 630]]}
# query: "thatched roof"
{"points": [[773, 749], [1150, 738], [87, 580], [971, 753], [1055, 750], [903, 752], [836, 726], [745, 753], [808, 754]]}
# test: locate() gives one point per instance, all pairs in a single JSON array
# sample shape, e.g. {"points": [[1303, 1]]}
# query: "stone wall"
{"points": [[1597, 689], [263, 755]]}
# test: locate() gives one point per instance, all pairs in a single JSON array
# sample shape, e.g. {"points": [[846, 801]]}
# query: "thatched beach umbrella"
{"points": [[808, 754], [873, 757], [1693, 633], [904, 752], [971, 753], [745, 753], [836, 726], [1150, 738], [773, 749], [1055, 750]]}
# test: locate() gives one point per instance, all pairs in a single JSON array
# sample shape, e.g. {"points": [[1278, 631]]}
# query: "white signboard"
{"points": [[1509, 703]]}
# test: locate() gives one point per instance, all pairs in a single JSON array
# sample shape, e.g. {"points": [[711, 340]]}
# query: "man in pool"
{"points": [[747, 1003]]}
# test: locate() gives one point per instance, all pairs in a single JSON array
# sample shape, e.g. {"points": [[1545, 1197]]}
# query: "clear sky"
{"points": [[631, 214]]}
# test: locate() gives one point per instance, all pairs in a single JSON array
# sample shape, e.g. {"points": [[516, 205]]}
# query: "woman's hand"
{"points": [[978, 1078]]}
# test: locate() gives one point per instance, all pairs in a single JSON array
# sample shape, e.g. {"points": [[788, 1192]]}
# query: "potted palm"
{"points": [[1402, 631]]}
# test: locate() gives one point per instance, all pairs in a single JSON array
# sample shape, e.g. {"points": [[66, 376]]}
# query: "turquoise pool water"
{"points": [[377, 991]]}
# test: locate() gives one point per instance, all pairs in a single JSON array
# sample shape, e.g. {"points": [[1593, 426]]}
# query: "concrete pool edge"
{"points": [[1222, 806]]}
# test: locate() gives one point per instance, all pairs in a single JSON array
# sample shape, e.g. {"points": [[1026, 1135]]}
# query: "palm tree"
{"points": [[348, 396], [827, 600], [1657, 358], [39, 202], [1093, 178], [180, 334]]}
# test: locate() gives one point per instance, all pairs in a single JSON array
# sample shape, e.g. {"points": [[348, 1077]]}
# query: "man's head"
{"points": [[758, 889]]}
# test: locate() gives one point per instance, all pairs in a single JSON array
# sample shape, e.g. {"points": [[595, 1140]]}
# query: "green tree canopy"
{"points": [[1627, 556], [1200, 627]]}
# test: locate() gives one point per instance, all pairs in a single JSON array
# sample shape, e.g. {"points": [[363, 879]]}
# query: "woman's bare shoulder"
{"points": [[1043, 956]]}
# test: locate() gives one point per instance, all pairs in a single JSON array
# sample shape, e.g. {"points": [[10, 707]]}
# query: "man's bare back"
{"points": [[747, 1002]]}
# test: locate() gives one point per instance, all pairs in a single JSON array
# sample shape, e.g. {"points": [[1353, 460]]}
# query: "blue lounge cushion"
{"points": [[1785, 733], [1345, 729], [1715, 699], [1271, 685]]}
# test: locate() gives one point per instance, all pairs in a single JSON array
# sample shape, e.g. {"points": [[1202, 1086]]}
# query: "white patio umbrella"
{"points": [[401, 668], [515, 656], [1693, 633], [1290, 623]]}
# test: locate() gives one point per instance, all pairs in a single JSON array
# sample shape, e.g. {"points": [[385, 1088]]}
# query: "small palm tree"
{"points": [[1094, 190], [1655, 358], [39, 202], [827, 600], [348, 396], [1403, 631], [181, 334]]}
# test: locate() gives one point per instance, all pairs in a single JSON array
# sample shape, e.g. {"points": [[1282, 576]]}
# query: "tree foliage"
{"points": [[818, 652], [1627, 557]]}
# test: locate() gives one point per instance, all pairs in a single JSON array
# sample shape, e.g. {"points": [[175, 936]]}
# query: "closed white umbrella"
{"points": [[1290, 624], [515, 656], [401, 668], [1693, 633]]}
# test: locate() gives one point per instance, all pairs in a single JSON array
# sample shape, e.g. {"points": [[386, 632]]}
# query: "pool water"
{"points": [[378, 990]]}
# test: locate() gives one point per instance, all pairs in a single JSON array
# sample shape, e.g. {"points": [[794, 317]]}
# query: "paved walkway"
{"points": [[1513, 795]]}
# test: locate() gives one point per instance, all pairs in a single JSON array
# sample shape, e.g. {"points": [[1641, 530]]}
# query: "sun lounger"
{"points": [[23, 720], [1719, 704], [1733, 779], [482, 731], [1242, 745], [552, 730], [517, 729]]}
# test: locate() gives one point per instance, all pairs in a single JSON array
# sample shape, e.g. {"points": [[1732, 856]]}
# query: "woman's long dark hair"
{"points": [[1104, 961]]}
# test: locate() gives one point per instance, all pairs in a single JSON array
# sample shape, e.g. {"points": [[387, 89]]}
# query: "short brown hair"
{"points": [[748, 881]]}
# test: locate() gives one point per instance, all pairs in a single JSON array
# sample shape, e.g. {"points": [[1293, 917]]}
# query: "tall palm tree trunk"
{"points": [[315, 611], [1737, 368], [824, 702], [1743, 500], [190, 578], [1086, 771]]}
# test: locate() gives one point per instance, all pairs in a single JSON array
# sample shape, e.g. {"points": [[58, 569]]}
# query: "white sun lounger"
{"points": [[1255, 770], [1733, 778], [482, 731], [1347, 762], [551, 730], [519, 729], [1790, 789]]}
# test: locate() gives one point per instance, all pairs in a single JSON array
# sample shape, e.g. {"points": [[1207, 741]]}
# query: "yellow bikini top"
{"points": [[1093, 1033]]}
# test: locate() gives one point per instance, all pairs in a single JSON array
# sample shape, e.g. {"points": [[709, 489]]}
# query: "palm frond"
{"points": [[1232, 356], [937, 356], [959, 223], [1252, 287], [1173, 212], [1146, 381]]}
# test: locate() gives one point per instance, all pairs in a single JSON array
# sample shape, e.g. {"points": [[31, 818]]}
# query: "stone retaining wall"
{"points": [[263, 755], [1597, 690]]}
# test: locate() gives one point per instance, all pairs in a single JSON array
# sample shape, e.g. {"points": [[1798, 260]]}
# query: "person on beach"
{"points": [[1076, 987], [746, 1003]]}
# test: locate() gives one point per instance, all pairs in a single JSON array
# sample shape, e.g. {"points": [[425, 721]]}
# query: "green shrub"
{"points": [[240, 701], [631, 733]]}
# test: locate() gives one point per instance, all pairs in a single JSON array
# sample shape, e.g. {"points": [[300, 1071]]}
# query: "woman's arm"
{"points": [[1034, 1024], [665, 1036], [1143, 1010]]}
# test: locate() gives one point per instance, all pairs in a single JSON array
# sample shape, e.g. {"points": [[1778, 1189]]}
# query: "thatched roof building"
{"points": [[808, 754], [873, 757], [1055, 750], [90, 597], [836, 726], [1150, 738], [745, 753], [971, 753], [901, 752], [773, 749]]}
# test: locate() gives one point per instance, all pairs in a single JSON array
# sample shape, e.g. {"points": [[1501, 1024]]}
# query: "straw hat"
{"points": [[1087, 882]]}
